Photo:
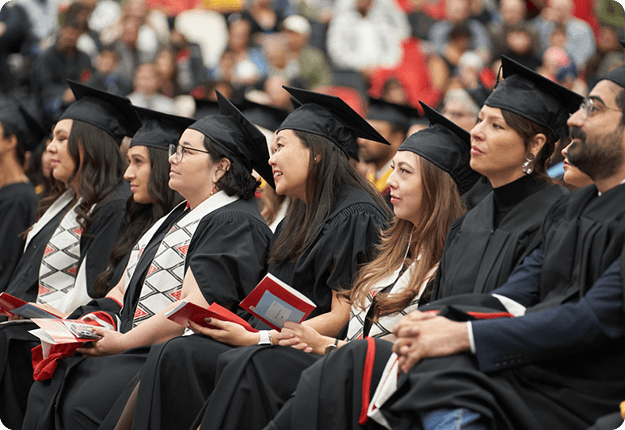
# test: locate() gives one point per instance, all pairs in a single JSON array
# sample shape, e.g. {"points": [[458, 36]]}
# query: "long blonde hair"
{"points": [[440, 206]]}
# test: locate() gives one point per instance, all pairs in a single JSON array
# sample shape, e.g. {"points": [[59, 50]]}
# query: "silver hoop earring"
{"points": [[528, 166]]}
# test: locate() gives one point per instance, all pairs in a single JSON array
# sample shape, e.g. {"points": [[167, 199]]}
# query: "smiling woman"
{"points": [[210, 250], [76, 229]]}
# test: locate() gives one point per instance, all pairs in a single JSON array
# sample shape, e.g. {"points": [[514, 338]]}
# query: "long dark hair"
{"points": [[305, 221], [140, 217], [527, 130], [238, 179], [101, 170]]}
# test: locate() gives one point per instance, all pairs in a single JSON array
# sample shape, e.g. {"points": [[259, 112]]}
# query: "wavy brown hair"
{"points": [[140, 217], [305, 221], [440, 206], [101, 169]]}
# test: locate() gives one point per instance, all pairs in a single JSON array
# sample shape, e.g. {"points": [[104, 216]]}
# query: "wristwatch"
{"points": [[333, 346], [265, 337]]}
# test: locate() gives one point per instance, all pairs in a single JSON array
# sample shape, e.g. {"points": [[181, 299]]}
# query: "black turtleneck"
{"points": [[508, 196]]}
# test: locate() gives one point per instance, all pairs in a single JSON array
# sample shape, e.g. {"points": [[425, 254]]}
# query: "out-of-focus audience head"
{"points": [[458, 11], [297, 30], [460, 108], [147, 79], [513, 12]]}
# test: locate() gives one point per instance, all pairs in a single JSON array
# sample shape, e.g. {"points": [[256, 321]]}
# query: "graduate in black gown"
{"points": [[330, 229], [430, 172], [211, 248], [18, 202], [557, 364], [78, 225], [511, 146]]}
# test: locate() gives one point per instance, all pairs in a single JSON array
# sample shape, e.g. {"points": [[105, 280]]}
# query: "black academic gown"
{"points": [[557, 367], [227, 255], [346, 240], [16, 371], [478, 255], [18, 203]]}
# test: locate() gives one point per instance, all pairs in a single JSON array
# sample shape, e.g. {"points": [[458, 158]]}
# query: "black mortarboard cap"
{"points": [[109, 112], [204, 107], [262, 115], [400, 116], [159, 130], [330, 117], [237, 137], [445, 145], [534, 97], [479, 94], [14, 115], [617, 75]]}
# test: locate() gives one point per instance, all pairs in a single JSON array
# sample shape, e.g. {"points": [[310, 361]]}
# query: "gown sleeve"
{"points": [[228, 256], [96, 247], [17, 215], [348, 242]]}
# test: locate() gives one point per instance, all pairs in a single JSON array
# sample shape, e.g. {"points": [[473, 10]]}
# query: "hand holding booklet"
{"points": [[275, 302], [189, 311], [10, 305]]}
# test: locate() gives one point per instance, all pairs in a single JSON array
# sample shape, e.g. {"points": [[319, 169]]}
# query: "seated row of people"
{"points": [[215, 248]]}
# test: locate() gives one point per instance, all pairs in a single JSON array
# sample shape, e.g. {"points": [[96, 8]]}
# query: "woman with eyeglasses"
{"points": [[332, 225], [210, 249]]}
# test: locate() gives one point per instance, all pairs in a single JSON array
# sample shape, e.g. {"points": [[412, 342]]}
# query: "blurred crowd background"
{"points": [[169, 55]]}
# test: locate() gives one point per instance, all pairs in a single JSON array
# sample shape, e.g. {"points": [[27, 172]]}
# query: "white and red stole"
{"points": [[59, 264], [163, 282], [384, 326]]}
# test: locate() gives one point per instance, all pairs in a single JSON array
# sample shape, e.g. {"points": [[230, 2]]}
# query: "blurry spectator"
{"points": [[469, 67], [276, 52], [421, 75], [460, 108], [263, 18], [206, 28], [513, 18], [319, 14], [365, 34], [43, 16], [480, 12], [57, 64], [521, 45], [458, 16], [459, 42], [567, 77], [105, 75], [89, 41], [14, 35], [129, 55], [420, 22], [40, 169], [147, 84], [244, 65], [189, 62], [278, 97], [309, 61], [607, 42], [580, 38], [166, 65], [553, 59]]}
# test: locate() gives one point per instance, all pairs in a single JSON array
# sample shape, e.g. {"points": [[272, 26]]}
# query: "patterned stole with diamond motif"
{"points": [[163, 282], [59, 265], [385, 324]]}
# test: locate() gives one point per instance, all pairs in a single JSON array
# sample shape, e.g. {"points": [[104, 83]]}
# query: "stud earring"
{"points": [[528, 166]]}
